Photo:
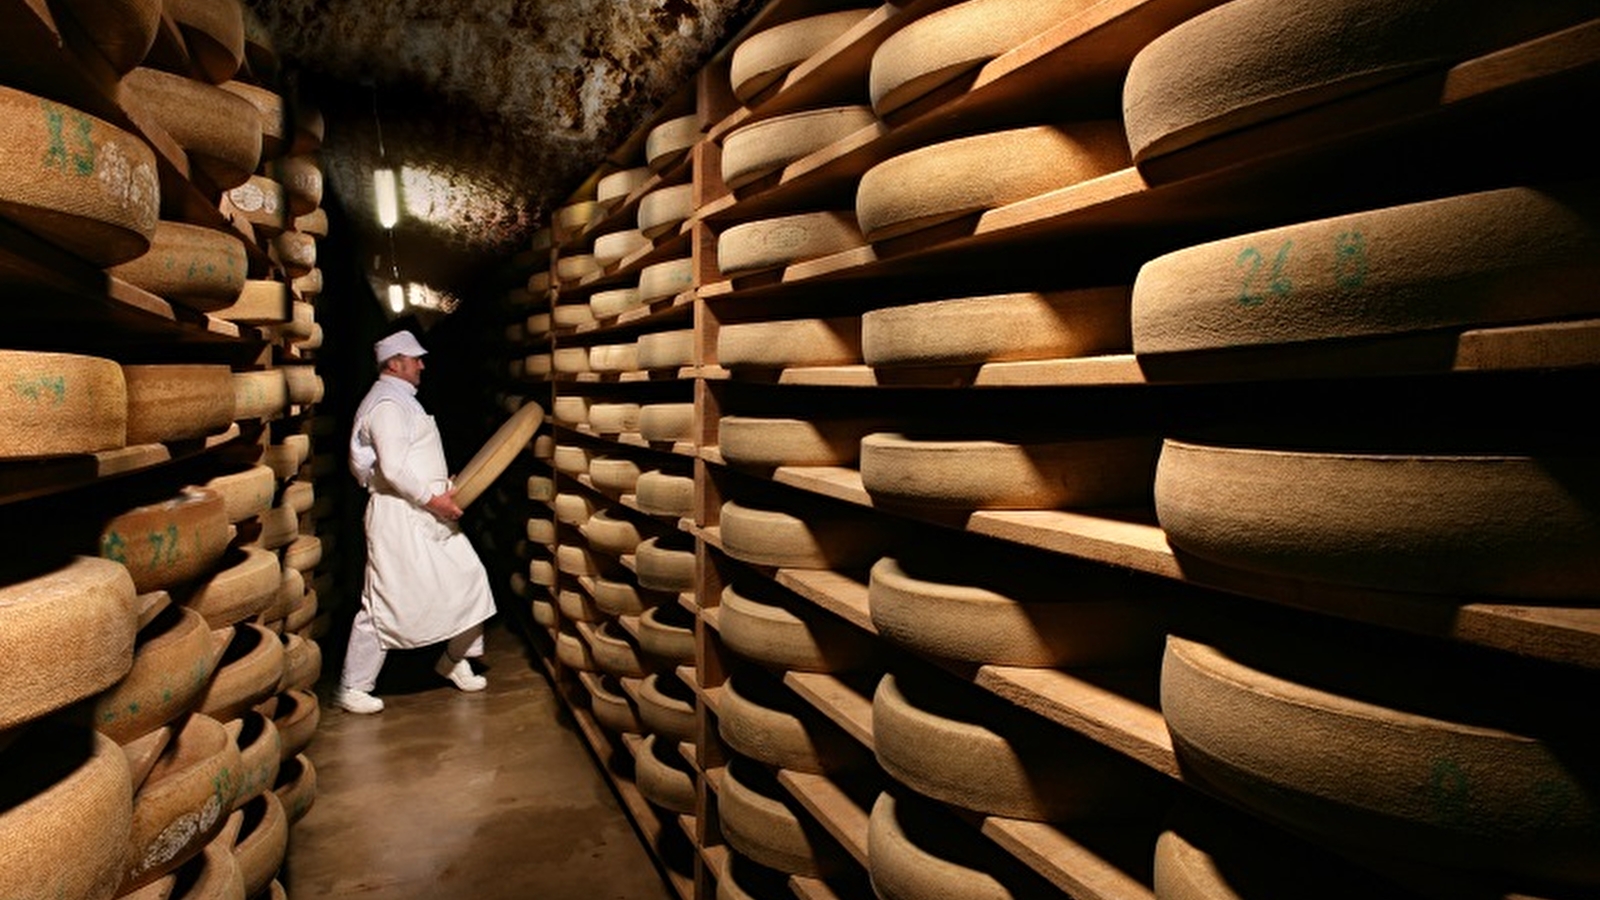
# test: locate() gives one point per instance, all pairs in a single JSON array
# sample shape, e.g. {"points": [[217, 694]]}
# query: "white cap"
{"points": [[399, 343]]}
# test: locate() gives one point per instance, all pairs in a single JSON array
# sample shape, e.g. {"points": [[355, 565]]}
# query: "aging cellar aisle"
{"points": [[446, 794]]}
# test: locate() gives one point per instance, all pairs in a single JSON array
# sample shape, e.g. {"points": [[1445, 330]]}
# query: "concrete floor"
{"points": [[452, 795]]}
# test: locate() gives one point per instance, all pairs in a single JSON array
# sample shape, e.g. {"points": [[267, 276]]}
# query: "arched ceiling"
{"points": [[493, 110]]}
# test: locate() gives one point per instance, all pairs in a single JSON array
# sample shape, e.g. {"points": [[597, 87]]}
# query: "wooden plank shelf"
{"points": [[848, 705], [29, 479], [1074, 866], [833, 807]]}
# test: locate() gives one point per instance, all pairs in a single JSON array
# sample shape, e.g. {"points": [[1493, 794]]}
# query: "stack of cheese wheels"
{"points": [[968, 331], [59, 404], [183, 802], [992, 474], [664, 777], [571, 315], [990, 605], [177, 402], [663, 280], [763, 720], [611, 706], [816, 539], [614, 357], [1461, 524], [665, 493], [779, 630], [752, 441], [96, 196], [201, 268], [788, 343], [762, 821], [953, 742], [612, 248], [915, 850], [214, 33], [122, 30], [1226, 69], [613, 303], [664, 209], [668, 143], [613, 189], [661, 350], [946, 181], [1514, 255], [666, 422], [754, 151], [217, 129], [666, 630], [774, 243], [666, 706], [763, 59], [1426, 759], [666, 563], [174, 660], [944, 45]]}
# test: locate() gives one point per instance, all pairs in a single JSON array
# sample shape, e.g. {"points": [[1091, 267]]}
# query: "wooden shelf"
{"points": [[27, 479], [845, 704], [833, 808]]}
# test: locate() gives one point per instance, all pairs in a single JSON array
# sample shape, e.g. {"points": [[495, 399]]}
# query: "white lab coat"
{"points": [[424, 582]]}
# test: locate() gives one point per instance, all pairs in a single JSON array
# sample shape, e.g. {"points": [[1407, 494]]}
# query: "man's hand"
{"points": [[444, 506]]}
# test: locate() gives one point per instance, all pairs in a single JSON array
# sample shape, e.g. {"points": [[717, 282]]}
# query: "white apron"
{"points": [[424, 582]]}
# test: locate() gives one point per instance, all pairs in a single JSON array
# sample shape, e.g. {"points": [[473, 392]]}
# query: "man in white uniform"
{"points": [[424, 583]]}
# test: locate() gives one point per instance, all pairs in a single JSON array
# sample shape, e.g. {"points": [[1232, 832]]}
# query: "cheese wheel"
{"points": [[542, 572], [573, 652], [259, 395], [765, 721], [610, 304], [614, 357], [664, 209], [613, 418], [314, 223], [539, 282], [665, 494], [791, 342], [76, 181], [301, 178], [793, 442], [665, 564], [578, 606], [304, 553], [571, 460], [283, 459], [54, 404], [291, 590], [764, 147], [262, 203], [216, 129], [199, 267], [664, 777], [1511, 255], [571, 220], [970, 331], [67, 634], [311, 342], [943, 45], [497, 453], [244, 585], [249, 673], [169, 543], [302, 320], [789, 635], [263, 841], [294, 252], [573, 509], [572, 409], [541, 488], [764, 58], [296, 719], [938, 183], [537, 325], [184, 801], [612, 708], [571, 360], [1394, 781], [624, 598], [300, 496], [576, 560], [122, 30], [761, 821], [609, 534], [214, 32], [666, 349], [665, 279], [773, 243], [309, 129], [614, 188], [279, 528], [68, 813], [1015, 613], [260, 303], [610, 249], [175, 657], [1226, 69], [667, 630], [914, 850], [1521, 526], [297, 785], [246, 493], [572, 268], [302, 658], [950, 741], [615, 653], [667, 143], [536, 365], [961, 474], [785, 540], [543, 612], [666, 707], [260, 752], [270, 114], [664, 422], [614, 475], [177, 402]]}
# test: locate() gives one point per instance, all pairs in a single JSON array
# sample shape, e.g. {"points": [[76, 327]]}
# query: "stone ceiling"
{"points": [[493, 110]]}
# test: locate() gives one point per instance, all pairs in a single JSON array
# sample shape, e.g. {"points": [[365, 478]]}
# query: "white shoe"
{"points": [[358, 702], [460, 674]]}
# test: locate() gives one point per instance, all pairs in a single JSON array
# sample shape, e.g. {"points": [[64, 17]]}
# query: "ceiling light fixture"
{"points": [[397, 298], [386, 189]]}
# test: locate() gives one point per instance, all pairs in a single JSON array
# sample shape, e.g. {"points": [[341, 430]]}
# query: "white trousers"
{"points": [[364, 655]]}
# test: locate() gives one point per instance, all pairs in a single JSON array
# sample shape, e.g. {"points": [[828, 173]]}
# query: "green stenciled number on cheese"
{"points": [[1278, 283], [78, 160], [114, 547], [83, 159], [164, 547], [1350, 260], [42, 387], [55, 155]]}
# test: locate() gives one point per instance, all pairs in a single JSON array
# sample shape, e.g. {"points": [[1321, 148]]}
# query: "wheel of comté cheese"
{"points": [[664, 564], [543, 612], [302, 657], [1227, 69], [761, 822], [970, 331], [308, 285], [610, 304], [294, 252], [665, 279], [944, 45], [615, 653], [570, 360], [664, 209], [789, 635], [666, 630], [279, 528], [571, 460], [269, 111], [55, 404], [773, 243], [1379, 779], [537, 325], [214, 32], [539, 282], [246, 493], [217, 129], [542, 572], [573, 652], [542, 531], [761, 148], [612, 248], [663, 777], [175, 656], [301, 178], [578, 606], [176, 402], [297, 785], [764, 58], [1511, 255], [576, 266], [261, 302], [614, 358], [263, 841], [314, 223], [541, 488], [793, 442], [169, 543], [615, 188], [1520, 526], [497, 453], [303, 553], [261, 752], [791, 342], [574, 559], [572, 409], [915, 851], [935, 184], [573, 509], [296, 719], [665, 494], [663, 422], [612, 535], [76, 181], [300, 496], [184, 801], [612, 708], [571, 220], [68, 634], [1018, 616], [614, 475], [536, 365], [614, 418], [68, 812], [668, 142], [201, 268], [122, 30], [249, 673], [245, 584], [976, 474], [259, 395], [666, 349], [767, 722], [786, 540]]}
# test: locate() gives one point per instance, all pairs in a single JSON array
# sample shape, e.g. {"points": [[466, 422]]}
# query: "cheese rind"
{"points": [[774, 243], [790, 342], [201, 268], [761, 148], [998, 328], [980, 474], [54, 404], [764, 58], [177, 402]]}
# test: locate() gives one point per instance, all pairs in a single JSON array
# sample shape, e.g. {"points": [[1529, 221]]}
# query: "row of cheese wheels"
{"points": [[655, 351]]}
